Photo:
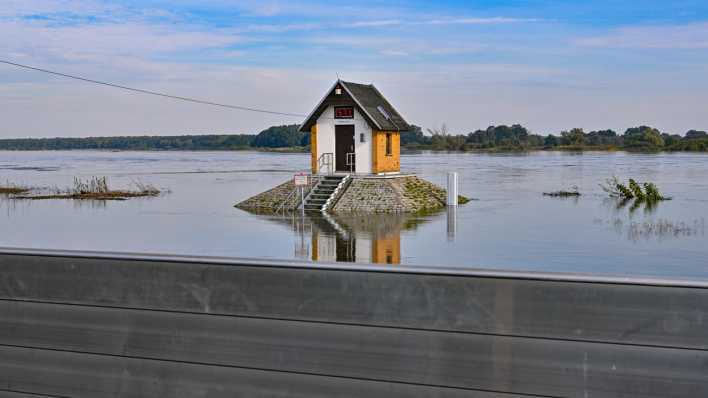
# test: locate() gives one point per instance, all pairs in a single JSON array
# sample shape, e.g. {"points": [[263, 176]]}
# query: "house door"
{"points": [[344, 144]]}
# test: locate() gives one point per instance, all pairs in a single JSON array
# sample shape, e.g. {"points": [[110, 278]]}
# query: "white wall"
{"points": [[325, 138], [326, 248], [363, 248]]}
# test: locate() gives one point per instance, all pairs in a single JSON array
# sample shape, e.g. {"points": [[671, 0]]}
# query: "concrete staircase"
{"points": [[326, 188]]}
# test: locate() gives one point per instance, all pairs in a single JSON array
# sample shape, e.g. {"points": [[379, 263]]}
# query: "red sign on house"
{"points": [[344, 112]]}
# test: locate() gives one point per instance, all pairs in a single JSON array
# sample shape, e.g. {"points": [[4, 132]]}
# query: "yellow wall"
{"points": [[315, 245], [313, 148], [382, 163], [386, 250]]}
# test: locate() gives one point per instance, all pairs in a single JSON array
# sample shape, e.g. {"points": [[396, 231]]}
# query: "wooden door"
{"points": [[344, 144]]}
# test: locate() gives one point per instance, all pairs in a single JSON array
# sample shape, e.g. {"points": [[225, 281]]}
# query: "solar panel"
{"points": [[383, 112]]}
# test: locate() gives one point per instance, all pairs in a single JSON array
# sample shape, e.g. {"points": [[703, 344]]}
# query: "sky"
{"points": [[548, 65]]}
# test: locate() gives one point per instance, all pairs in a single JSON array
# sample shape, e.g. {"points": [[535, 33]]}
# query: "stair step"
{"points": [[321, 192]]}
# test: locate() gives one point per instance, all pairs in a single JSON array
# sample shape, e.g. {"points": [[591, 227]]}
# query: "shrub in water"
{"points": [[616, 189], [636, 189]]}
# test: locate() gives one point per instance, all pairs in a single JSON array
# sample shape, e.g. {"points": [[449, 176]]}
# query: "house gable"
{"points": [[375, 109]]}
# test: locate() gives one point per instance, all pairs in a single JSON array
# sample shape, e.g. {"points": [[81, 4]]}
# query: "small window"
{"points": [[361, 137], [389, 149]]}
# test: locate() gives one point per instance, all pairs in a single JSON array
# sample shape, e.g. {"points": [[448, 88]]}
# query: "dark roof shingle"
{"points": [[376, 108], [371, 99]]}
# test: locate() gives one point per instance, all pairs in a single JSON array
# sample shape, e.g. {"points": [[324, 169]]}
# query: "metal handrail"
{"points": [[326, 159], [351, 161], [287, 199]]}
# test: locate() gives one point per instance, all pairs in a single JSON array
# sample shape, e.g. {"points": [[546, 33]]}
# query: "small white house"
{"points": [[354, 129]]}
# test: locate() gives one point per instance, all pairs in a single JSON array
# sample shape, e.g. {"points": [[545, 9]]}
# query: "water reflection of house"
{"points": [[353, 238], [362, 238]]}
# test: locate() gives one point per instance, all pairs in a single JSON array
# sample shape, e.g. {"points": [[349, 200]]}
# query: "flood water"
{"points": [[510, 226]]}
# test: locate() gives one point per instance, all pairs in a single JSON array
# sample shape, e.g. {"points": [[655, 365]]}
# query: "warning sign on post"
{"points": [[300, 179]]}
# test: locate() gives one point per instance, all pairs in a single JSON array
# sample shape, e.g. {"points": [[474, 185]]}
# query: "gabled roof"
{"points": [[377, 111]]}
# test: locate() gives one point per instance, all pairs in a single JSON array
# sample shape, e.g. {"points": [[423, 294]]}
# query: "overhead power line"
{"points": [[138, 90]]}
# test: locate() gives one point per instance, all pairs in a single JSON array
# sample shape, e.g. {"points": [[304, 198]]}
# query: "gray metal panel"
{"points": [[97, 376], [462, 360], [16, 394], [636, 314], [398, 269]]}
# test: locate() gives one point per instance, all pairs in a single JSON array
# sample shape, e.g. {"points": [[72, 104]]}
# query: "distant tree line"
{"points": [[274, 137], [493, 138], [517, 137]]}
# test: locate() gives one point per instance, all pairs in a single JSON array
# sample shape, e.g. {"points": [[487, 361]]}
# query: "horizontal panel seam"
{"points": [[482, 273], [270, 370], [32, 393], [362, 325]]}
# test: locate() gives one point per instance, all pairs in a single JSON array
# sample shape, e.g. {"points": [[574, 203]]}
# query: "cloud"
{"points": [[478, 21], [93, 41], [394, 53], [690, 37], [441, 21], [19, 8], [376, 23], [280, 28]]}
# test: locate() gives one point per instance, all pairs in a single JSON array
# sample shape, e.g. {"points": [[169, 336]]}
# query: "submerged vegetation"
{"points": [[95, 188], [12, 189], [616, 189], [646, 194], [660, 229], [573, 192]]}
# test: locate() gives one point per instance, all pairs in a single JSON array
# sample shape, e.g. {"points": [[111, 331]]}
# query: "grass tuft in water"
{"points": [[13, 189], [95, 188], [573, 192]]}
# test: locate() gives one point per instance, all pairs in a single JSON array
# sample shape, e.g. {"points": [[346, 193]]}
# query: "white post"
{"points": [[452, 189], [451, 222]]}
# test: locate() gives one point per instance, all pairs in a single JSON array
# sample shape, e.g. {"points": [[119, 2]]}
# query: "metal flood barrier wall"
{"points": [[109, 325]]}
